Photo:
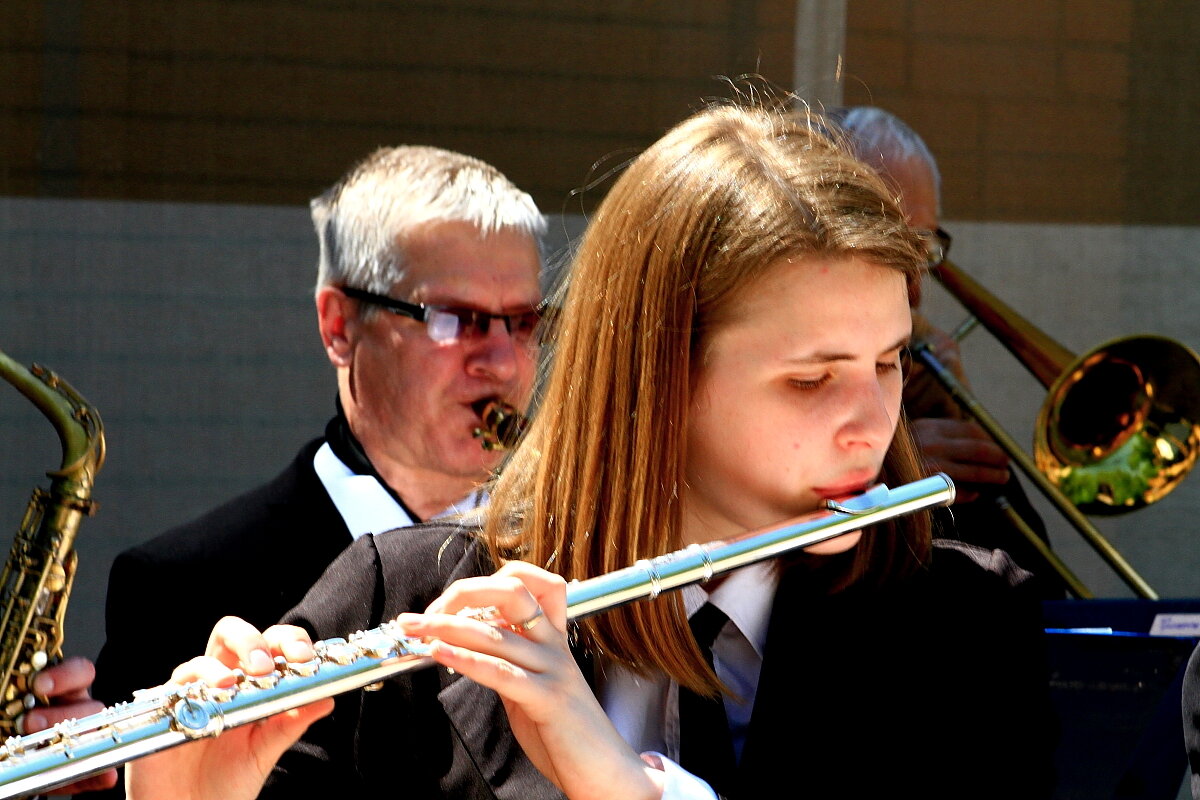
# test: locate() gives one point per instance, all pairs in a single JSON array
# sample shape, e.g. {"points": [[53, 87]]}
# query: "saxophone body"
{"points": [[36, 582]]}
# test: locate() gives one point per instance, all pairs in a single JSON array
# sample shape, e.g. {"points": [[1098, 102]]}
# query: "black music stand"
{"points": [[1118, 698]]}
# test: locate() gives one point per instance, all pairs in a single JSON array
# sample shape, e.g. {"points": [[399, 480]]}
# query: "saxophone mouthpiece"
{"points": [[502, 425]]}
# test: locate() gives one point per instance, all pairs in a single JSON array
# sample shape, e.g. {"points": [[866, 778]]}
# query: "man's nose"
{"points": [[495, 353]]}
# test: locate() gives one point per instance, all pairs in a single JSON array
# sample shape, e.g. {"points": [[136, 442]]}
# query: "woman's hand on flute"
{"points": [[236, 763], [521, 652]]}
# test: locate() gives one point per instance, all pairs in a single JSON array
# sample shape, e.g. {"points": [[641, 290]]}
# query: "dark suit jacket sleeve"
{"points": [[398, 737], [992, 677], [344, 600], [253, 557]]}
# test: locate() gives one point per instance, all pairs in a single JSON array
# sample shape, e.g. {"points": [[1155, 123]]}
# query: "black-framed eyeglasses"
{"points": [[937, 246], [447, 324]]}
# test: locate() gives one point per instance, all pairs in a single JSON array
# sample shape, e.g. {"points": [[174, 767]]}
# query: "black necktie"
{"points": [[705, 745]]}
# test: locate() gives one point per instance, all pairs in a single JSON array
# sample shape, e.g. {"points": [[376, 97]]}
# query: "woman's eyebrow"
{"points": [[824, 357]]}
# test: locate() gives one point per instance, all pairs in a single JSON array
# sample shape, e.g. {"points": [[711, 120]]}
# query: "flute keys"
{"points": [[267, 681], [221, 695], [303, 669], [374, 644], [402, 644], [337, 650], [62, 737], [197, 718], [13, 746]]}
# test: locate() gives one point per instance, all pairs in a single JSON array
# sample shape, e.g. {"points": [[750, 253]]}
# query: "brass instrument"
{"points": [[1119, 429], [36, 583], [502, 425], [171, 715]]}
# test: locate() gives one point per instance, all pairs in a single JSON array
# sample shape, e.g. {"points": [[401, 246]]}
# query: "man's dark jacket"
{"points": [[254, 557]]}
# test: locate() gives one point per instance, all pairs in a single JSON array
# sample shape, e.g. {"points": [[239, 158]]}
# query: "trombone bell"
{"points": [[1120, 427]]}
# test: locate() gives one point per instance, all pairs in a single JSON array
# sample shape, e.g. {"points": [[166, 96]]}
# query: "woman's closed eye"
{"points": [[810, 383], [894, 364]]}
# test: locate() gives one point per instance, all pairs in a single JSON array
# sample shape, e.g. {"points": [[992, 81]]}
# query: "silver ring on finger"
{"points": [[527, 625]]}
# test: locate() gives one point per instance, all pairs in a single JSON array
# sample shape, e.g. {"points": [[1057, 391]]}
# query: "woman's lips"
{"points": [[850, 487]]}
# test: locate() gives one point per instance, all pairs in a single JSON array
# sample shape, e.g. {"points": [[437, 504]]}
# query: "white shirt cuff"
{"points": [[679, 784]]}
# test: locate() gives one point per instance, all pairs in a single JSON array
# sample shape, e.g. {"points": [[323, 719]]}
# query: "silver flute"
{"points": [[169, 715]]}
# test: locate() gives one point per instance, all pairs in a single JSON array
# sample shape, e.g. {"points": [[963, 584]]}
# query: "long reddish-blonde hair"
{"points": [[698, 217]]}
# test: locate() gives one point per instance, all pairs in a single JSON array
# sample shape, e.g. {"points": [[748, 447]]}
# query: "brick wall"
{"points": [[1049, 111], [267, 101]]}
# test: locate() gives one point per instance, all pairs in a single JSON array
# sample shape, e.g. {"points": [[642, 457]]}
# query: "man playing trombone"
{"points": [[949, 439]]}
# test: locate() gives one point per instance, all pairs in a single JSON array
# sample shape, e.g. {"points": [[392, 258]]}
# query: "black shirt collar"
{"points": [[349, 450]]}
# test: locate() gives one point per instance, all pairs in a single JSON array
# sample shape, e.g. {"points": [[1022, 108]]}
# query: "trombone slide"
{"points": [[1027, 465]]}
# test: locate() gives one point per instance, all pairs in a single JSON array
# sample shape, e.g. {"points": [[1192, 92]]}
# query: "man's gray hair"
{"points": [[363, 219], [880, 138]]}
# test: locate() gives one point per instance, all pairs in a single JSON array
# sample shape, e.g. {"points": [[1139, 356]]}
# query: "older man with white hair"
{"points": [[427, 297]]}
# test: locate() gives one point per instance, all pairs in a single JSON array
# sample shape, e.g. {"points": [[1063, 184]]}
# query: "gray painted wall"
{"points": [[191, 329]]}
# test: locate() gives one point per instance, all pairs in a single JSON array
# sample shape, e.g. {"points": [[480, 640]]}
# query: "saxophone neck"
{"points": [[80, 429]]}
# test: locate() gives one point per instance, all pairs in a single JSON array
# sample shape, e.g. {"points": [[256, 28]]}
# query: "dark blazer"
{"points": [[933, 688], [426, 733], [936, 688], [266, 547]]}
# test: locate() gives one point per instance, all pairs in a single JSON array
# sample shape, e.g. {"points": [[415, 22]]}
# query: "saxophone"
{"points": [[36, 582]]}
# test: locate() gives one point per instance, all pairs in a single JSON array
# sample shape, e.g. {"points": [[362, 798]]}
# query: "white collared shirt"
{"points": [[365, 505], [645, 710]]}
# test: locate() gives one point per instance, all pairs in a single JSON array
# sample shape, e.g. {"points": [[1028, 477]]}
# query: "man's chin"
{"points": [[470, 459]]}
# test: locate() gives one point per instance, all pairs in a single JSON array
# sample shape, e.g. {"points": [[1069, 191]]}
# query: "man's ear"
{"points": [[336, 318]]}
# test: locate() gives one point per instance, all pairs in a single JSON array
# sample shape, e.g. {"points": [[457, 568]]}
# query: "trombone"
{"points": [[1119, 428]]}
